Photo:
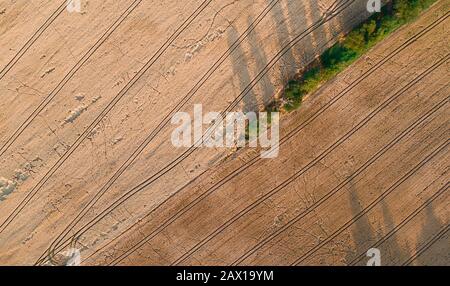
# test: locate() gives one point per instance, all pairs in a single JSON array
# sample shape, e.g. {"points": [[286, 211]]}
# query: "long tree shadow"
{"points": [[362, 232], [393, 249], [283, 35], [438, 252], [240, 68], [302, 15], [266, 87]]}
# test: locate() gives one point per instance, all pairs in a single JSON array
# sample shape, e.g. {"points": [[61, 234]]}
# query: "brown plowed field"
{"points": [[86, 159]]}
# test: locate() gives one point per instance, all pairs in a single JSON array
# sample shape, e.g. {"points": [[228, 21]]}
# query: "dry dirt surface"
{"points": [[86, 160]]}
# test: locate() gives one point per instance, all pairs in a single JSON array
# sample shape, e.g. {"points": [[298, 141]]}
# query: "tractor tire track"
{"points": [[32, 40], [300, 127], [121, 94], [308, 166], [67, 78], [237, 100]]}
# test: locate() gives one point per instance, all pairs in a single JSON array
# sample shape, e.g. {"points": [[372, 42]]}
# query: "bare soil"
{"points": [[86, 159]]}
